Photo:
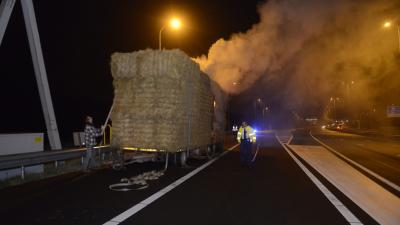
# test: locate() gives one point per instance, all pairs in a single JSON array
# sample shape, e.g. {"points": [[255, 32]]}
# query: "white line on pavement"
{"points": [[331, 197], [136, 208], [377, 176], [290, 139]]}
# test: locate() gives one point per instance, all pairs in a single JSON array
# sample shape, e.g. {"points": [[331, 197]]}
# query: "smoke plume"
{"points": [[313, 50]]}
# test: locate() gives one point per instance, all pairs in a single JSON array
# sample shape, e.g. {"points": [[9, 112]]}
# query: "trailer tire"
{"points": [[118, 160], [210, 151], [182, 158]]}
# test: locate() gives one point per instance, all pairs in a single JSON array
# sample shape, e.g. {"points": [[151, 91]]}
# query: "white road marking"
{"points": [[377, 176], [136, 208], [290, 139], [111, 223], [375, 200], [331, 197]]}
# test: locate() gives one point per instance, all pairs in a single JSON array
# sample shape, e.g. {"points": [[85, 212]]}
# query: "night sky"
{"points": [[77, 40], [293, 55]]}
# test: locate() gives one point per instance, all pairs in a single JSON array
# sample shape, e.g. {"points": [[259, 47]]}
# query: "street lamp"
{"points": [[333, 100], [388, 24], [259, 110], [347, 86], [174, 23], [265, 110]]}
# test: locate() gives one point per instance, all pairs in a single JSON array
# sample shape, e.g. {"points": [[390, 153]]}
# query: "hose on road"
{"points": [[255, 154], [138, 182]]}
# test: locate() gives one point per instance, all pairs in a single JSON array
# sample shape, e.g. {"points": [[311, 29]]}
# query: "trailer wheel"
{"points": [[182, 158], [160, 157], [210, 151], [118, 160]]}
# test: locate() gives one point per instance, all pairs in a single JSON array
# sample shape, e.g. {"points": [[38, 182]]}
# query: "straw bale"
{"points": [[161, 101], [219, 124]]}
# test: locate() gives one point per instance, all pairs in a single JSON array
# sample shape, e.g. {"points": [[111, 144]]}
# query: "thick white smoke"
{"points": [[316, 46], [238, 62]]}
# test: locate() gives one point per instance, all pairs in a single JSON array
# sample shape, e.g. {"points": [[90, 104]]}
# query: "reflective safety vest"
{"points": [[250, 134]]}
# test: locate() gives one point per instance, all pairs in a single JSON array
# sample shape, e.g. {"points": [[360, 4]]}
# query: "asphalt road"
{"points": [[273, 191], [382, 156]]}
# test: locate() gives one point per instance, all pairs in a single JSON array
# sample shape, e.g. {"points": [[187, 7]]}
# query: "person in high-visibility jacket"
{"points": [[246, 136]]}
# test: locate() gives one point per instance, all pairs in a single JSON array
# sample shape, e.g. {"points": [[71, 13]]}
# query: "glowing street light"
{"points": [[174, 23], [388, 24]]}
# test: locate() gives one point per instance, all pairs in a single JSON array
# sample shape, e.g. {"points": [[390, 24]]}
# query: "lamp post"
{"points": [[174, 23], [333, 100], [159, 37], [348, 88], [259, 107], [389, 24], [255, 108], [265, 118]]}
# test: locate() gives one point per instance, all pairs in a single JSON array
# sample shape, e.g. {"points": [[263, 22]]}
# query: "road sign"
{"points": [[393, 111]]}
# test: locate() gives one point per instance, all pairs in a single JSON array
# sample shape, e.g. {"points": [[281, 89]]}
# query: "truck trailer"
{"points": [[164, 104]]}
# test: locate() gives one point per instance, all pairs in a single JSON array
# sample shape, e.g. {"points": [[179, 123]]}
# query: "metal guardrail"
{"points": [[36, 158]]}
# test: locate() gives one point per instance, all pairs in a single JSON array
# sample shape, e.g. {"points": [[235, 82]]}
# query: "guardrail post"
{"points": [[56, 164], [166, 161], [175, 161], [22, 172]]}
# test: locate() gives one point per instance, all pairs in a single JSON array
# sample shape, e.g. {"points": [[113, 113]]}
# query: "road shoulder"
{"points": [[376, 201]]}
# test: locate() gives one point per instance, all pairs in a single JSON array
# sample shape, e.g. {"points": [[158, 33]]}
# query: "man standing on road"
{"points": [[91, 133], [246, 136]]}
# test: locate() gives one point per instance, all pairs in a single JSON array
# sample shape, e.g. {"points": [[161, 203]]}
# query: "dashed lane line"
{"points": [[136, 208]]}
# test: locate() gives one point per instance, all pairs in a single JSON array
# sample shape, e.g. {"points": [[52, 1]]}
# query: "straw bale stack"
{"points": [[161, 101], [219, 122]]}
